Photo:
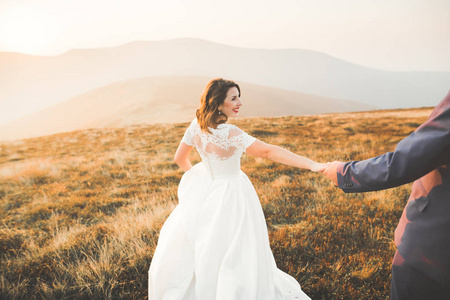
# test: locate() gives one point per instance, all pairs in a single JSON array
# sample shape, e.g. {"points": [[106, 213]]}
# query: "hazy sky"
{"points": [[384, 34]]}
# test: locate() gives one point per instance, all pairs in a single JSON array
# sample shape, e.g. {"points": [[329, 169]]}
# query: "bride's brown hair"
{"points": [[213, 96]]}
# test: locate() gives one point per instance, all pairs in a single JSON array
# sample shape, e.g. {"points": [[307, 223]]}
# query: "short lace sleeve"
{"points": [[241, 138], [190, 133]]}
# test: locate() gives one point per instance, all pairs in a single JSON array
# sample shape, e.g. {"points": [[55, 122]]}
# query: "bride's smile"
{"points": [[232, 103]]}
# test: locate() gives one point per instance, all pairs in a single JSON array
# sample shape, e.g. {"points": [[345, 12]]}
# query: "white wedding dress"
{"points": [[215, 244]]}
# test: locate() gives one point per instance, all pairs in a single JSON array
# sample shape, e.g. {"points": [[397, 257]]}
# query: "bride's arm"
{"points": [[281, 155], [181, 156]]}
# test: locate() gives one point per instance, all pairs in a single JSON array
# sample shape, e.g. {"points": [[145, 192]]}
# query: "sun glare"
{"points": [[27, 31]]}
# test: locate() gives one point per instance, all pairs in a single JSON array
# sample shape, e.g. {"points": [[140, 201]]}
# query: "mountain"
{"points": [[163, 99], [29, 83]]}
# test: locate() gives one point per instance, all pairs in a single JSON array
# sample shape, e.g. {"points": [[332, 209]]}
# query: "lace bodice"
{"points": [[220, 150]]}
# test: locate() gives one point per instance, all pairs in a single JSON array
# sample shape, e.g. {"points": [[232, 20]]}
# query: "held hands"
{"points": [[331, 171], [318, 167]]}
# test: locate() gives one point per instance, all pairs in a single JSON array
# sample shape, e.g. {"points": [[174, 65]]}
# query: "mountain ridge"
{"points": [[30, 83]]}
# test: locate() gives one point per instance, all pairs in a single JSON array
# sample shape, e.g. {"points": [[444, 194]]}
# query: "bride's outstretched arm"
{"points": [[181, 156], [283, 156]]}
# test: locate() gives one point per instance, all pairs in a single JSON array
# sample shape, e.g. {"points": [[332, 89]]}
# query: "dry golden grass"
{"points": [[81, 211]]}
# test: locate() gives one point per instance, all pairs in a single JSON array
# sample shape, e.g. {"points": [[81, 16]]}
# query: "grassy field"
{"points": [[81, 211]]}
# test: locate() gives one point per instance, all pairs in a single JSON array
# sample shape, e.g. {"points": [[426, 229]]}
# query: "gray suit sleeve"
{"points": [[425, 149]]}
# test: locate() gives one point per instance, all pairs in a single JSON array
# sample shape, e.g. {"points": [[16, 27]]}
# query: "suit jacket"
{"points": [[422, 236]]}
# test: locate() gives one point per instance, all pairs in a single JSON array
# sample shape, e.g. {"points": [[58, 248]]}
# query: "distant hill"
{"points": [[163, 99], [29, 83]]}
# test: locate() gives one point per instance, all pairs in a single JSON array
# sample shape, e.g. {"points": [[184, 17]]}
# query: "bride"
{"points": [[215, 243]]}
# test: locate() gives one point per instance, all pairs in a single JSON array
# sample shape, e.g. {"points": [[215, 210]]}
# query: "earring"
{"points": [[220, 112]]}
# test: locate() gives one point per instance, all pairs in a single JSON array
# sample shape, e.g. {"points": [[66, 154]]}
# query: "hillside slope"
{"points": [[81, 211]]}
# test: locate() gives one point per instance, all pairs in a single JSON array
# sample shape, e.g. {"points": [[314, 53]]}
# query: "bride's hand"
{"points": [[318, 167]]}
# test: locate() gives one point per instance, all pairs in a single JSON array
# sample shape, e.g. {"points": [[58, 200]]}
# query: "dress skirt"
{"points": [[215, 245]]}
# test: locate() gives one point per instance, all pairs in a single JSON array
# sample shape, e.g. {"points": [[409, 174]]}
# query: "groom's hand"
{"points": [[331, 171]]}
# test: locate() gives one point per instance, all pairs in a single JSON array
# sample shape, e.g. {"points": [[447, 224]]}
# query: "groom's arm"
{"points": [[418, 154]]}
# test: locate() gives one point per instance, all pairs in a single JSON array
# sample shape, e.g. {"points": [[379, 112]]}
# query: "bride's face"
{"points": [[232, 103]]}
